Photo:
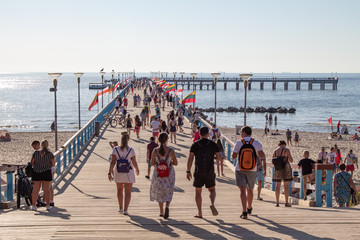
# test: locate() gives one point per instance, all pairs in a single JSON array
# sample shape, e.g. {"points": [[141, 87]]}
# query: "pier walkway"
{"points": [[86, 205]]}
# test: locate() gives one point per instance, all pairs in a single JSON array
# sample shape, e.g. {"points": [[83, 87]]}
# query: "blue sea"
{"points": [[26, 104]]}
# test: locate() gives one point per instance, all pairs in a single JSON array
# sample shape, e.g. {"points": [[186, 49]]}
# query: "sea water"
{"points": [[26, 104]]}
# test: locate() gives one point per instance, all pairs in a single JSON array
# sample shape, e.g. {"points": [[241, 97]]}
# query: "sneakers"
{"points": [[52, 204], [120, 211], [126, 213], [259, 198], [244, 215], [47, 208], [33, 208]]}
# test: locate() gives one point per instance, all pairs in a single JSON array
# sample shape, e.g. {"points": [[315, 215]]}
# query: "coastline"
{"points": [[311, 141]]}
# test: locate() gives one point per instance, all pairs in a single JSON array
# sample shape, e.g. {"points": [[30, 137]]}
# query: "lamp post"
{"points": [[102, 89], [166, 73], [215, 75], [245, 78], [193, 78], [174, 75], [78, 75], [55, 77], [112, 75]]}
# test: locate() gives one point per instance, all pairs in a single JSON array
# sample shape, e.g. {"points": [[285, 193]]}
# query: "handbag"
{"points": [[279, 162]]}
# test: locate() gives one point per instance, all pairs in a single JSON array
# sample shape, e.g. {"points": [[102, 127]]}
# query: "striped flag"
{"points": [[160, 83], [170, 88], [165, 86], [190, 98], [106, 90], [178, 92], [94, 102], [117, 85]]}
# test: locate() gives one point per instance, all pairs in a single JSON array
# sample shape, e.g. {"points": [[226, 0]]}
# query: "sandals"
{"points": [[287, 205], [197, 216], [244, 215], [166, 215], [213, 210], [249, 210]]}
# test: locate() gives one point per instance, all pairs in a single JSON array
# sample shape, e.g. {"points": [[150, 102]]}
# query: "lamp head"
{"points": [[245, 77], [78, 74], [215, 75], [193, 74], [102, 73], [174, 73], [55, 76]]}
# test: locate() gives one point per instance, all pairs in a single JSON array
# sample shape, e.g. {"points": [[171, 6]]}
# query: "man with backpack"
{"points": [[247, 151], [204, 174], [215, 133]]}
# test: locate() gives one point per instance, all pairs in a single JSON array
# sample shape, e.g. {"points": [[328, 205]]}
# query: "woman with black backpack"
{"points": [[162, 186]]}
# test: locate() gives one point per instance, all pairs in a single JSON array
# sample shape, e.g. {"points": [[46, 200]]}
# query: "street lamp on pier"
{"points": [[193, 78], [215, 75], [55, 77], [245, 78], [102, 89], [78, 75], [174, 75]]}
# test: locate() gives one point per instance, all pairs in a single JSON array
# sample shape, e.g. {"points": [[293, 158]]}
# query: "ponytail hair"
{"points": [[124, 141], [45, 147], [162, 139]]}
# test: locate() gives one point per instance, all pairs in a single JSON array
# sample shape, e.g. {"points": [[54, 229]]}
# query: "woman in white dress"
{"points": [[163, 180], [122, 171]]}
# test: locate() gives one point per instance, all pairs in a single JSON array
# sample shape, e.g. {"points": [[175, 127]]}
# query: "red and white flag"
{"points": [[165, 85], [106, 90], [178, 92]]}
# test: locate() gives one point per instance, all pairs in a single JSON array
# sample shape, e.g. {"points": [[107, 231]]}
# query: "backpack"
{"points": [[122, 164], [247, 156], [163, 167], [215, 134]]}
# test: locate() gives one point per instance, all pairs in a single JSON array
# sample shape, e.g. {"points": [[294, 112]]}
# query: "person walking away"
{"points": [[147, 113], [331, 158], [215, 133], [163, 180], [180, 122], [260, 175], [173, 126], [43, 163], [343, 186], [150, 147], [128, 122], [338, 127], [275, 119], [143, 118], [338, 157], [122, 171], [137, 126], [163, 127], [155, 125], [350, 160], [163, 103], [284, 173], [203, 151], [117, 106], [196, 135], [158, 111], [125, 102], [322, 155], [246, 150], [220, 165], [288, 137], [297, 139], [135, 100], [305, 165]]}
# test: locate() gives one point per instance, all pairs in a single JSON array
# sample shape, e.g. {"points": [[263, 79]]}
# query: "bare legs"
{"points": [[120, 195], [220, 166], [198, 198], [286, 191], [161, 206], [36, 190]]}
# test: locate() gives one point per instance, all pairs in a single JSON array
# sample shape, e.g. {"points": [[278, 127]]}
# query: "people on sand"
{"points": [[305, 165], [296, 139], [355, 137], [220, 165], [42, 162], [150, 147], [350, 162], [162, 185], [6, 137], [247, 150], [283, 174], [204, 174], [288, 137], [322, 155], [122, 172], [343, 183]]}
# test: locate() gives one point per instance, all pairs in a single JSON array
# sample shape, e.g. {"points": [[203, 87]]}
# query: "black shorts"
{"points": [[43, 176], [207, 180]]}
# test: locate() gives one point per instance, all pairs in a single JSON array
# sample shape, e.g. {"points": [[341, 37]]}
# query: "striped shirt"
{"points": [[42, 163]]}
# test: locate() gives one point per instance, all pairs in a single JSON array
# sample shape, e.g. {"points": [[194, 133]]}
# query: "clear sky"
{"points": [[180, 35]]}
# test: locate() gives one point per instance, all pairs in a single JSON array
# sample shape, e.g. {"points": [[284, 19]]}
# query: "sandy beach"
{"points": [[19, 150], [310, 141]]}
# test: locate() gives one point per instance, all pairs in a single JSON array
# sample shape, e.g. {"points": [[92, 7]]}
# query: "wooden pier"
{"points": [[202, 83]]}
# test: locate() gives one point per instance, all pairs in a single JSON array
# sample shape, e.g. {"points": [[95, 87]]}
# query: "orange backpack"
{"points": [[247, 156]]}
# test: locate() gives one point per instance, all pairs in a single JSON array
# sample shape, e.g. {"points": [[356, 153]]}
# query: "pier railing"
{"points": [[68, 153], [323, 173]]}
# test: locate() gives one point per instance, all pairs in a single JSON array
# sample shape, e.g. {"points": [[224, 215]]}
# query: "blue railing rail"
{"points": [[323, 173], [67, 155]]}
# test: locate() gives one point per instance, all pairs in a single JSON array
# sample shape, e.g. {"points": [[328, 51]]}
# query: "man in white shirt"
{"points": [[331, 158], [322, 155], [215, 133], [155, 125], [245, 180]]}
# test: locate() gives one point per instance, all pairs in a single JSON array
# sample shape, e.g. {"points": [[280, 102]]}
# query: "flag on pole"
{"points": [[106, 90], [178, 92], [162, 84], [170, 88], [330, 120], [190, 98], [165, 86], [117, 85], [94, 102]]}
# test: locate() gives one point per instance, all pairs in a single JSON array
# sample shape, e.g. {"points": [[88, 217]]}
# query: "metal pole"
{"points": [[56, 129], [78, 80], [245, 106], [193, 90], [102, 89], [215, 100]]}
